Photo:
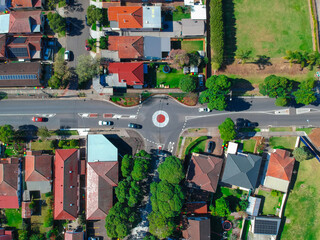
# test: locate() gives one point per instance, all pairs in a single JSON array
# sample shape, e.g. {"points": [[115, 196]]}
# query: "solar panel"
{"points": [[18, 77], [18, 52], [266, 227], [19, 40]]}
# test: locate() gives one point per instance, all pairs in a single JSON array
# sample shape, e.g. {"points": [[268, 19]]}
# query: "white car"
{"points": [[105, 123], [204, 110], [67, 55]]}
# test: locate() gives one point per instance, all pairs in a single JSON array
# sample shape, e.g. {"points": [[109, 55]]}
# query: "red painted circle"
{"points": [[161, 118]]}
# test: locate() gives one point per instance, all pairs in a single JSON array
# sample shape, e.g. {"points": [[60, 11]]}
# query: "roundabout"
{"points": [[160, 118]]}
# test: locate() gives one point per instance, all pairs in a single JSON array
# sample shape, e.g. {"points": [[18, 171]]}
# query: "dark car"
{"points": [[210, 147], [134, 125], [86, 20], [111, 33]]}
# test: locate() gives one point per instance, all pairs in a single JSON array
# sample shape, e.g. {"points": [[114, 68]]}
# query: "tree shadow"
{"points": [[262, 61], [237, 105], [75, 26], [230, 40]]}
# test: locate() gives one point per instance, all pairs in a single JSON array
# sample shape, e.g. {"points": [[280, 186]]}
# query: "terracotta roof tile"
{"points": [[73, 235], [127, 17], [25, 3], [22, 21], [127, 46], [129, 72], [280, 165], [38, 168], [9, 185], [196, 208], [198, 229], [25, 210], [32, 44]]}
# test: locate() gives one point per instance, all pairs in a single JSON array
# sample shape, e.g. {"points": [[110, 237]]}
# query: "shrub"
{"points": [[274, 193], [104, 42]]}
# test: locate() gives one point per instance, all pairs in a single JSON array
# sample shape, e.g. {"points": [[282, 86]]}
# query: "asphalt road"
{"points": [[67, 114]]}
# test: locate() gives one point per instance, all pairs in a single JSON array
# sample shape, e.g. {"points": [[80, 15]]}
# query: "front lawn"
{"points": [[14, 218], [270, 203], [248, 145], [301, 210], [283, 142], [170, 79], [190, 46], [44, 145], [272, 27]]}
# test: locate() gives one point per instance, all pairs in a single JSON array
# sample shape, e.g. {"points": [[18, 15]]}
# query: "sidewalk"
{"points": [[280, 134]]}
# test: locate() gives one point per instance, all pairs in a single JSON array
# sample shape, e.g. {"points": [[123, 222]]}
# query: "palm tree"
{"points": [[243, 56], [291, 56], [313, 59]]}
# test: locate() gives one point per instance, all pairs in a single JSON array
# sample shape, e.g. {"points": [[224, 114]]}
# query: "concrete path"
{"points": [[280, 134]]}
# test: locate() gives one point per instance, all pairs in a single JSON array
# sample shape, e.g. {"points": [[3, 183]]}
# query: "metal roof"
{"points": [[4, 20], [100, 149], [151, 17]]}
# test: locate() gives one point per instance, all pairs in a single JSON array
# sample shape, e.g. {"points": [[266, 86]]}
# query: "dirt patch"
{"points": [[315, 137], [218, 150], [127, 101]]}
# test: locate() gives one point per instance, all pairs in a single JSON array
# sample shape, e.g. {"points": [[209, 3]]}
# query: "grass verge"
{"points": [[280, 129], [306, 130]]}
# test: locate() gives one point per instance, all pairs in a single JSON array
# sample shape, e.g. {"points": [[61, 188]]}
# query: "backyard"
{"points": [[190, 46], [14, 218], [303, 202], [271, 201], [171, 79], [283, 142], [261, 30]]}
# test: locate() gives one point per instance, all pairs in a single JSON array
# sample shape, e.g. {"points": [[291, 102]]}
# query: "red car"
{"points": [[38, 119], [88, 48]]}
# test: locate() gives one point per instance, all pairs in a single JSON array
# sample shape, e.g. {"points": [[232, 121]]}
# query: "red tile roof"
{"points": [[38, 168], [196, 208], [127, 17], [25, 3], [69, 235], [102, 177], [32, 44], [204, 172], [280, 165], [129, 72], [9, 185], [5, 234], [25, 211], [127, 47], [66, 187], [22, 21], [198, 229]]}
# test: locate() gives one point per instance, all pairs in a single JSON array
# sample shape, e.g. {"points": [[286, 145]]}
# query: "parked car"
{"points": [[86, 20], [38, 119], [111, 33], [210, 147], [204, 110], [201, 82], [134, 125], [88, 48], [105, 123], [67, 55]]}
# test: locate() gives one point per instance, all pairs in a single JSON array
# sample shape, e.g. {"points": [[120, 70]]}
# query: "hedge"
{"points": [[194, 143], [217, 32], [315, 25]]}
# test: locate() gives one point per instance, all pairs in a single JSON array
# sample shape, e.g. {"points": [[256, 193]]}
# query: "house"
{"points": [[204, 172], [265, 228], [27, 4], [253, 206], [192, 208], [6, 234], [72, 235], [135, 17], [66, 184], [198, 228], [22, 22], [137, 47], [192, 28], [279, 170], [20, 74], [242, 170], [10, 183], [102, 176], [21, 48], [125, 74], [38, 171], [232, 148]]}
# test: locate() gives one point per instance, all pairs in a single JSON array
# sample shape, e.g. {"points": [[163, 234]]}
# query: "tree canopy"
{"points": [[43, 132], [221, 208], [56, 22], [167, 199], [160, 226], [187, 84], [302, 153], [227, 130], [275, 86], [87, 68], [140, 168], [305, 94], [6, 133], [171, 170], [126, 165], [94, 15]]}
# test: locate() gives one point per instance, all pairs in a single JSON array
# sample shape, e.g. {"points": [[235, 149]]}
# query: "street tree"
{"points": [[218, 82], [227, 130], [140, 168], [6, 133], [160, 226], [87, 68], [171, 170], [94, 15], [275, 86], [126, 165], [302, 153], [282, 101], [56, 22], [122, 191], [305, 94], [43, 133], [187, 84]]}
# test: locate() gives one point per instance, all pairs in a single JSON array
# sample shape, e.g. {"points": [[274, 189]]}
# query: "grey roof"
{"points": [[254, 206], [266, 225], [100, 149], [43, 186], [154, 46], [241, 170], [192, 27], [151, 17]]}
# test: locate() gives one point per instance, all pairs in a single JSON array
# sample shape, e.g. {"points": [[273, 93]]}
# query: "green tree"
{"points": [[43, 133], [281, 101], [122, 191], [160, 226], [187, 84], [61, 72], [37, 236], [275, 86], [23, 235], [140, 169], [219, 82], [126, 165], [94, 15], [6, 133], [227, 130], [56, 22], [55, 82], [167, 199], [151, 237], [171, 170], [87, 68], [122, 230], [194, 58], [104, 42], [243, 204], [305, 94], [302, 153], [221, 208], [243, 56]]}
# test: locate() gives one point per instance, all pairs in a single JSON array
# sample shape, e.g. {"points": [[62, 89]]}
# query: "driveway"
{"points": [[97, 229]]}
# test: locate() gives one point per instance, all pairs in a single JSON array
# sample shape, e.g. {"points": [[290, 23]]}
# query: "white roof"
{"points": [[100, 149], [4, 20], [232, 148], [199, 12], [253, 207]]}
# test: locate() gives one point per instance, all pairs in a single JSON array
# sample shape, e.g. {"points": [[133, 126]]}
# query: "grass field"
{"points": [[301, 210], [14, 218], [44, 145], [190, 46], [285, 142], [272, 27], [270, 203], [172, 79], [248, 145]]}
